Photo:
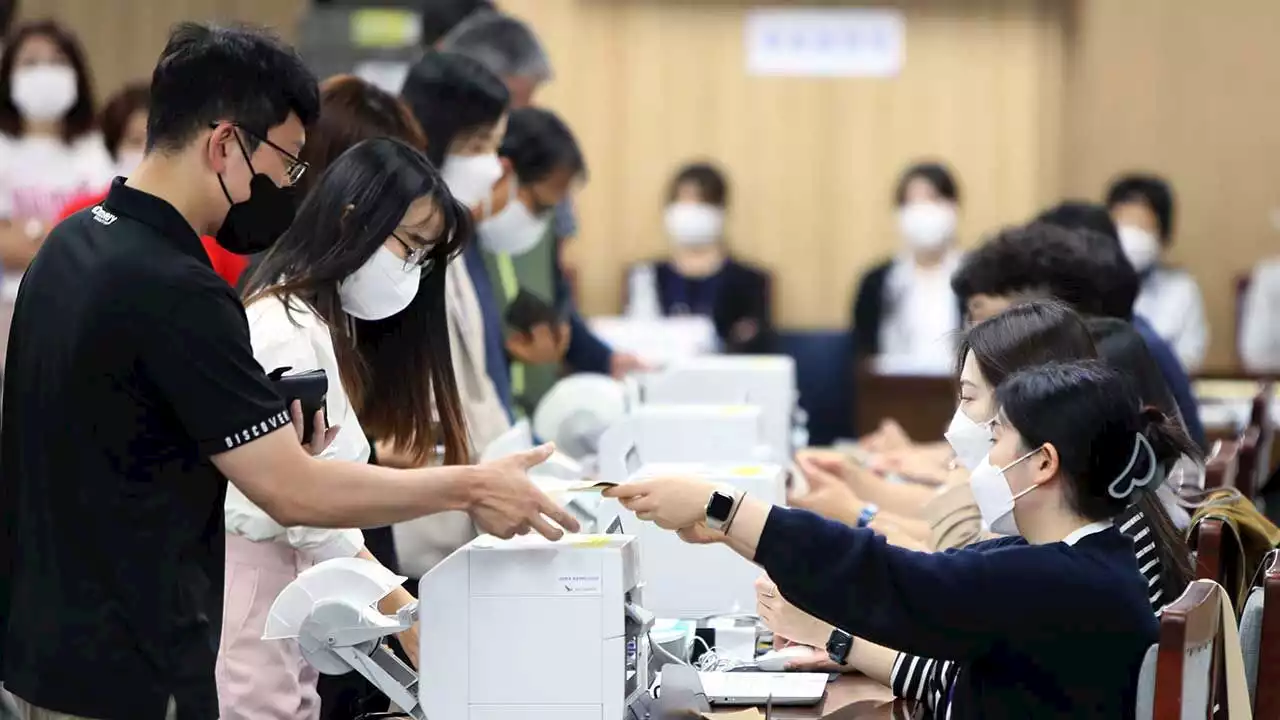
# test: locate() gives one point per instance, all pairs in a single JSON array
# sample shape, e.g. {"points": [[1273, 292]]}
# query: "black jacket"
{"points": [[739, 299]]}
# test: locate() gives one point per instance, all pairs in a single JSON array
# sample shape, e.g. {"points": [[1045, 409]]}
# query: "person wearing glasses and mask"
{"points": [[521, 256], [904, 312], [123, 325], [700, 277]]}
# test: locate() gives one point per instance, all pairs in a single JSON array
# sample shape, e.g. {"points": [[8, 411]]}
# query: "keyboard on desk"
{"points": [[757, 688]]}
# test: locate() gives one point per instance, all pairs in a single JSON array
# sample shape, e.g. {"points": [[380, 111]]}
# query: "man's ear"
{"points": [[1047, 463], [217, 149]]}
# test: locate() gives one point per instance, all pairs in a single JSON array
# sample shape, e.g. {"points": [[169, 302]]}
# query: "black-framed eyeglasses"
{"points": [[415, 255], [295, 168]]}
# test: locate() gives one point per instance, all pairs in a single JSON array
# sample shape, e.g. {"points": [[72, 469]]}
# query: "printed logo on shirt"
{"points": [[101, 215], [253, 432]]}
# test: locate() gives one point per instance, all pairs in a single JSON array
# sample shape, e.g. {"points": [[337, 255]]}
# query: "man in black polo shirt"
{"points": [[132, 396]]}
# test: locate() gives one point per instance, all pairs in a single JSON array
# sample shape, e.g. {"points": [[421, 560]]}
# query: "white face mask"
{"points": [[43, 92], [927, 225], [694, 223], [471, 177], [970, 440], [127, 161], [515, 230], [1140, 246], [382, 287], [994, 497]]}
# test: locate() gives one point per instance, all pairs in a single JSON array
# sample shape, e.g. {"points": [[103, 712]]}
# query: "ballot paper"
{"points": [[555, 486]]}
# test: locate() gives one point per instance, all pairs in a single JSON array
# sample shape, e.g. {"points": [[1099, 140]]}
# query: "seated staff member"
{"points": [[175, 405], [1259, 344], [1024, 336], [378, 219], [700, 277], [1071, 447], [463, 108], [1143, 209], [904, 311], [1121, 286]]}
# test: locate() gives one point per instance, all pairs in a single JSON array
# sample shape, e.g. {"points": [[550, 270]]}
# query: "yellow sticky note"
{"points": [[746, 471], [736, 409], [384, 27], [593, 541]]}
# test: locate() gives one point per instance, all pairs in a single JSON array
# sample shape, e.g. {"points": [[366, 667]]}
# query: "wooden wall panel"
{"points": [[123, 38], [1187, 89], [648, 84]]}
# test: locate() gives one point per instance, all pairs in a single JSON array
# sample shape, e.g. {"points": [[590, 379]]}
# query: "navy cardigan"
{"points": [[1038, 631]]}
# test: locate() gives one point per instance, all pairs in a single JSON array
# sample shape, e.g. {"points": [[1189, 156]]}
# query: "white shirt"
{"points": [[921, 317], [299, 339], [1170, 300], [1084, 531], [1259, 321], [40, 175]]}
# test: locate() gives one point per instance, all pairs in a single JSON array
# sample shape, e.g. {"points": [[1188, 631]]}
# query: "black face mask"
{"points": [[254, 225]]}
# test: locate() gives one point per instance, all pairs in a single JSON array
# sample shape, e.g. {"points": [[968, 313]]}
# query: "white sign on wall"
{"points": [[829, 42]]}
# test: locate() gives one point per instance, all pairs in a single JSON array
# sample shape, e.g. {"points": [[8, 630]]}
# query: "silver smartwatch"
{"points": [[720, 508]]}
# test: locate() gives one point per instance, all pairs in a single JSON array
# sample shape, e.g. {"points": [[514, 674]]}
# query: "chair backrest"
{"points": [[1187, 665], [1223, 465], [1260, 417], [1247, 480], [1209, 539], [1260, 640]]}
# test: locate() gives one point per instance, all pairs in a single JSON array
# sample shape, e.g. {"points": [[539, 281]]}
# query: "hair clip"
{"points": [[1114, 490]]}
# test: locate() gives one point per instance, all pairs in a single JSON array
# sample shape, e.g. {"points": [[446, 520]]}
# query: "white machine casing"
{"points": [[697, 581], [765, 380], [528, 629], [681, 434]]}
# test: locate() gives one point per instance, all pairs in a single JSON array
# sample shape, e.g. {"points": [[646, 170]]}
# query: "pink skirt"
{"points": [[261, 679]]}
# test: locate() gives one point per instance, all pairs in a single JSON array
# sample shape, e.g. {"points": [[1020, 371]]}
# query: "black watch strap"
{"points": [[838, 645]]}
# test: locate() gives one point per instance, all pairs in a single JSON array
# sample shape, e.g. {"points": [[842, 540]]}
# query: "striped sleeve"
{"points": [[1134, 524], [917, 678]]}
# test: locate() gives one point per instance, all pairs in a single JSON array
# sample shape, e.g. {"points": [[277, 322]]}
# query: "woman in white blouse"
{"points": [[1143, 209], [50, 150], [379, 225]]}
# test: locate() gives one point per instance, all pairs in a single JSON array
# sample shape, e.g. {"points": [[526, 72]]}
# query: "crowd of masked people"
{"points": [[171, 256]]}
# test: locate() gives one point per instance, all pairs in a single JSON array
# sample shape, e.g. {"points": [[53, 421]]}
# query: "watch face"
{"points": [[719, 507]]}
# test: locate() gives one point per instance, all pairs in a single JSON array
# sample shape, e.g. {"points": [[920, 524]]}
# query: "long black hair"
{"points": [[1092, 415], [452, 96], [81, 118], [394, 370], [1122, 348]]}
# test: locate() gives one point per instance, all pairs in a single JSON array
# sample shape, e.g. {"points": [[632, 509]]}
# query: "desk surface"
{"points": [[850, 697]]}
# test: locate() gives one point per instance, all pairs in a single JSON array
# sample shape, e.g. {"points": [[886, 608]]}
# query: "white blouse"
{"points": [[1259, 322], [300, 340], [921, 319], [40, 176], [1170, 300]]}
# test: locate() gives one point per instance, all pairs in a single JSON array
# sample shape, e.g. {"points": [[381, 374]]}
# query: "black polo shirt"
{"points": [[129, 366]]}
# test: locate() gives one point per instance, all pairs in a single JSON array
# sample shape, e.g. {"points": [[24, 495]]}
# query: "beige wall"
{"points": [[1188, 89], [648, 84], [124, 37]]}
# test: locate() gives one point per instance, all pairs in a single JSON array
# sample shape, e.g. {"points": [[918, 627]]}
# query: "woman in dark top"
{"points": [[700, 277], [904, 311], [1051, 623]]}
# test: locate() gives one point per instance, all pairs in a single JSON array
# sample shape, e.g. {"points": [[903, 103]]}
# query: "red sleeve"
{"points": [[228, 265], [81, 202]]}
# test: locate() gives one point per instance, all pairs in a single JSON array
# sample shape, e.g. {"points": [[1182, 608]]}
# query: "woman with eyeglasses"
{"points": [[369, 243]]}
